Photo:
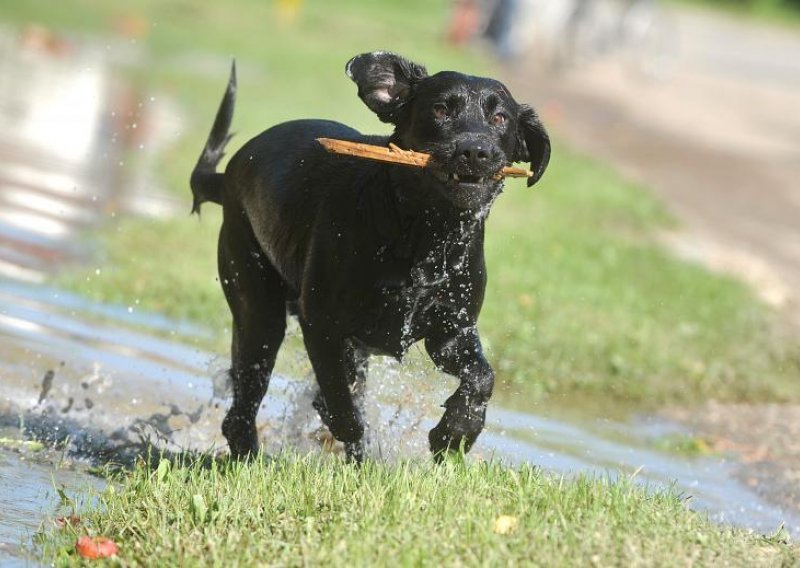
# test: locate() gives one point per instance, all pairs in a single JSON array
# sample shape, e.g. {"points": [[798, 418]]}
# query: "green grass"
{"points": [[582, 302], [683, 445], [782, 12], [312, 511]]}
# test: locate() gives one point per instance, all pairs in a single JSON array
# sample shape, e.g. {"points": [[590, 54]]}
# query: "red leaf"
{"points": [[97, 547]]}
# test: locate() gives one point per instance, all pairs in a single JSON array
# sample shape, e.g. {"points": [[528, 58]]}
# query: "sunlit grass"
{"points": [[583, 299], [782, 12], [293, 510]]}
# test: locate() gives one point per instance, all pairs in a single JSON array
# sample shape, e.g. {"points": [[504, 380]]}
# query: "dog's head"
{"points": [[471, 126]]}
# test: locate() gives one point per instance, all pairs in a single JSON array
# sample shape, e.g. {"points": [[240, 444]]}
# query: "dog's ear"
{"points": [[385, 81], [533, 143]]}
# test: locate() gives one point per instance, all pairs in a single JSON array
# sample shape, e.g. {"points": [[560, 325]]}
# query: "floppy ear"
{"points": [[533, 143], [385, 81]]}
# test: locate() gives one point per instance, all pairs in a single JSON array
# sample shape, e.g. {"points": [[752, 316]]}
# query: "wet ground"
{"points": [[102, 382]]}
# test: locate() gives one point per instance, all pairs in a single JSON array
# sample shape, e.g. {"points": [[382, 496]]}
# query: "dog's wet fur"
{"points": [[370, 257]]}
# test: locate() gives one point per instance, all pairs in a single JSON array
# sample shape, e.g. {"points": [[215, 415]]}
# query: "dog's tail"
{"points": [[205, 182]]}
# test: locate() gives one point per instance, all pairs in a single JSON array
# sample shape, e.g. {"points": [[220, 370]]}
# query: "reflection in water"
{"points": [[62, 135], [66, 128], [56, 110]]}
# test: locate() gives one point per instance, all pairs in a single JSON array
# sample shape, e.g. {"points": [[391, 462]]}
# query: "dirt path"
{"points": [[720, 144]]}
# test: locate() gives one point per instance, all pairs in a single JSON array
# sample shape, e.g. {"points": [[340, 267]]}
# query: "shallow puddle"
{"points": [[29, 497]]}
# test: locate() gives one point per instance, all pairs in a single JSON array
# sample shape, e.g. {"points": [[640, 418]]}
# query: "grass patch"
{"points": [[582, 302], [783, 12], [292, 511], [683, 444]]}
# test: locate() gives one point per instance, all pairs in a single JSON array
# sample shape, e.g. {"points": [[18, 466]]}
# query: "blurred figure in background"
{"points": [[501, 26], [563, 34], [465, 22], [494, 20]]}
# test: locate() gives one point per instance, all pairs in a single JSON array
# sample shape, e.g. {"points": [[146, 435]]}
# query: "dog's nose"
{"points": [[475, 154]]}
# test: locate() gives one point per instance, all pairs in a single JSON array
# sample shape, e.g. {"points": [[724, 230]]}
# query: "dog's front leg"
{"points": [[329, 357], [458, 352]]}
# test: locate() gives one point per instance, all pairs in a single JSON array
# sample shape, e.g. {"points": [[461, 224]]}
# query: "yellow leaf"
{"points": [[505, 524]]}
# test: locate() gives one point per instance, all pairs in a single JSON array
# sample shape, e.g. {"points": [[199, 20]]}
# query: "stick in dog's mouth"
{"points": [[395, 155]]}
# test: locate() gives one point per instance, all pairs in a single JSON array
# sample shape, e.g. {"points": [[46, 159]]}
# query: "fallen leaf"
{"points": [[96, 547], [505, 524]]}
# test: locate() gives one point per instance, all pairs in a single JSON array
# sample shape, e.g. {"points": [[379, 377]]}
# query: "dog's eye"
{"points": [[498, 119], [440, 110]]}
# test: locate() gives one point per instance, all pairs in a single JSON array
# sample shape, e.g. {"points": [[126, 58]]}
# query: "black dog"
{"points": [[370, 257]]}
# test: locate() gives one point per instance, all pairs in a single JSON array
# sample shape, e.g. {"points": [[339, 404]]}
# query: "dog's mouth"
{"points": [[472, 191], [453, 179]]}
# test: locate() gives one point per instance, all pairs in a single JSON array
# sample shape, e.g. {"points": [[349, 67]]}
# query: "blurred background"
{"points": [[651, 278]]}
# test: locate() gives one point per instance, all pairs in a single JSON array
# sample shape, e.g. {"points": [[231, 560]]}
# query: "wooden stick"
{"points": [[395, 155]]}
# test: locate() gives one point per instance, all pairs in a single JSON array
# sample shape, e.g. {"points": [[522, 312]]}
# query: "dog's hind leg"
{"points": [[331, 359], [356, 366], [257, 299], [459, 353]]}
